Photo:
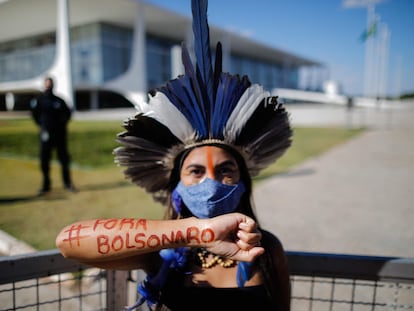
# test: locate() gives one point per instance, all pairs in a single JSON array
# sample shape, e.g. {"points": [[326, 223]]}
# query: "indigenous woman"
{"points": [[195, 147]]}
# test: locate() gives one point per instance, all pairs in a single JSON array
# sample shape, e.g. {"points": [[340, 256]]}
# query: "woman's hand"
{"points": [[236, 237]]}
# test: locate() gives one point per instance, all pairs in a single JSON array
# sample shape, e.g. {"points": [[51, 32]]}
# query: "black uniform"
{"points": [[52, 114]]}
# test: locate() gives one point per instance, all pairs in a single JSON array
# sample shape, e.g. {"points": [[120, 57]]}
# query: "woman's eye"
{"points": [[196, 172], [226, 171]]}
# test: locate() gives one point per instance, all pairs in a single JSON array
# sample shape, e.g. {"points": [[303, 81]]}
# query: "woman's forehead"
{"points": [[208, 153]]}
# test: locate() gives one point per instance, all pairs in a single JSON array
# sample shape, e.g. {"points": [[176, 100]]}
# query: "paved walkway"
{"points": [[357, 198]]}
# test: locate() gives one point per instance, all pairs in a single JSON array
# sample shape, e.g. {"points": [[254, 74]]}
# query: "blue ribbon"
{"points": [[244, 272], [150, 288]]}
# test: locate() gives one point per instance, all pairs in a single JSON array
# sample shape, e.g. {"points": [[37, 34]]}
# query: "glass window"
{"points": [[158, 56], [100, 52], [269, 75], [26, 58]]}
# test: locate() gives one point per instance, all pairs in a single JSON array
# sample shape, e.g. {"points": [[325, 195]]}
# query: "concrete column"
{"points": [[138, 67], [61, 70], [177, 67], [226, 46], [133, 83], [189, 41], [94, 100], [10, 101]]}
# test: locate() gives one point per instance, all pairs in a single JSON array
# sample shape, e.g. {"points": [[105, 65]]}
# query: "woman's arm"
{"points": [[113, 240]]}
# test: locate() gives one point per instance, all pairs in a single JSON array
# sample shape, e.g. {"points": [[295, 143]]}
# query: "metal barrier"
{"points": [[47, 281], [349, 282]]}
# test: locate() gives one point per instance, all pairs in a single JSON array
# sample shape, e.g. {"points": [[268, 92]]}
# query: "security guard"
{"points": [[52, 115]]}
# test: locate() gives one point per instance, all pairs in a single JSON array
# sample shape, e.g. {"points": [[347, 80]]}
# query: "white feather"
{"points": [[140, 104], [245, 107], [166, 113]]}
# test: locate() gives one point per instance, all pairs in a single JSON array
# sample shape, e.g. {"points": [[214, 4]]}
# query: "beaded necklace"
{"points": [[203, 254]]}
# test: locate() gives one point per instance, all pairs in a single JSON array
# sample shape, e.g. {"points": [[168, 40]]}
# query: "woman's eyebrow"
{"points": [[227, 163], [193, 165]]}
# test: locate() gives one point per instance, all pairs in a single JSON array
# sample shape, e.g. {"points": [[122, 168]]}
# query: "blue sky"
{"points": [[322, 30]]}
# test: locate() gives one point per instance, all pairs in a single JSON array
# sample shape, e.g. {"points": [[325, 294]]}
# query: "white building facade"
{"points": [[110, 53]]}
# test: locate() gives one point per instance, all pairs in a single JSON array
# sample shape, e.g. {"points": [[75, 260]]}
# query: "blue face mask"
{"points": [[209, 198]]}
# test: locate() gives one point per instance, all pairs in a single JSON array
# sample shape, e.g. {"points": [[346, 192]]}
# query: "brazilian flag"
{"points": [[370, 32]]}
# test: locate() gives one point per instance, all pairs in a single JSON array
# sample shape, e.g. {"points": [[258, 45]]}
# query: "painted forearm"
{"points": [[105, 239]]}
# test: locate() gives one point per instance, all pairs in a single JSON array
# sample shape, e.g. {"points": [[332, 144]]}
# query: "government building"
{"points": [[110, 53]]}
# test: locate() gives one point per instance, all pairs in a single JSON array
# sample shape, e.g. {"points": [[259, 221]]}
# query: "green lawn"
{"points": [[103, 191]]}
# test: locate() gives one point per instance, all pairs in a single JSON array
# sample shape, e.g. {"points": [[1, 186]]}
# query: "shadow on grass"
{"points": [[105, 186], [18, 199], [293, 173], [61, 194], [298, 172]]}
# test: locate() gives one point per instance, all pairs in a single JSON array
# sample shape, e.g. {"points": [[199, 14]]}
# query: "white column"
{"points": [[61, 70], [369, 74], [133, 83], [94, 100], [383, 67], [177, 67], [226, 46], [139, 68], [10, 101], [189, 41]]}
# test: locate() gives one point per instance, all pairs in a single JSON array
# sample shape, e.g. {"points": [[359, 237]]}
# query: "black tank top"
{"points": [[182, 298]]}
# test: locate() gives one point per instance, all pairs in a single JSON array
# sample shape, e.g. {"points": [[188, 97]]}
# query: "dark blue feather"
{"points": [[181, 93], [218, 67], [229, 91], [202, 50], [186, 59], [206, 98], [189, 72]]}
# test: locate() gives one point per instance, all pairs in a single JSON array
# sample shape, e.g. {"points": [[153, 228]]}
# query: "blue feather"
{"points": [[202, 51], [189, 71], [229, 91], [180, 93], [205, 98], [218, 65]]}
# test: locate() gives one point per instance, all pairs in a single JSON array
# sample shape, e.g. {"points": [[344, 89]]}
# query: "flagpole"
{"points": [[369, 54], [385, 50], [370, 83]]}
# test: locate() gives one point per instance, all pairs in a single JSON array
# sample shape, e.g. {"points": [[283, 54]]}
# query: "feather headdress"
{"points": [[203, 106]]}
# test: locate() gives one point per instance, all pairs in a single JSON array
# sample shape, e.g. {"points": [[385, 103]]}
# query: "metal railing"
{"points": [[47, 281], [349, 282]]}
